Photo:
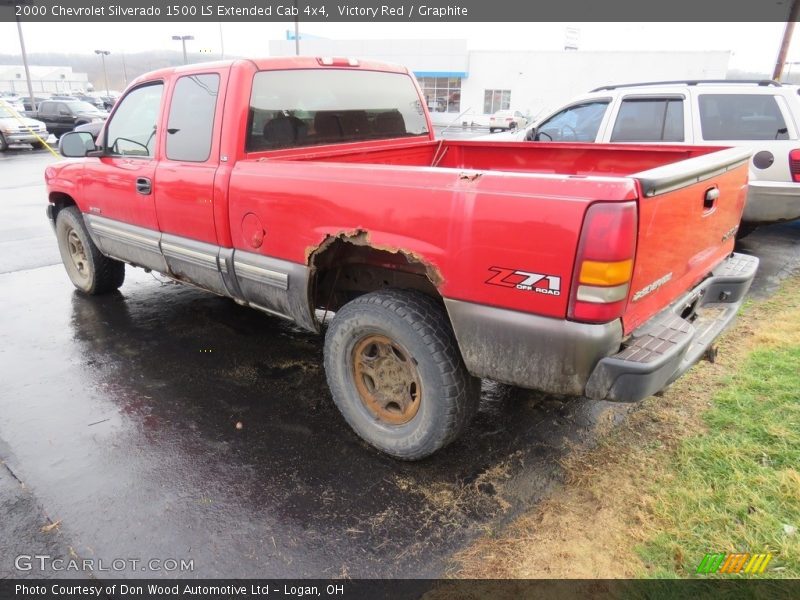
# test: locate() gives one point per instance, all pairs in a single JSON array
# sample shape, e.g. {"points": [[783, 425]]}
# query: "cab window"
{"points": [[132, 129], [191, 117], [578, 123]]}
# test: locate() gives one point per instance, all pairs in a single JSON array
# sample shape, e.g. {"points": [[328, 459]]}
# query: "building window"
{"points": [[494, 100], [442, 94]]}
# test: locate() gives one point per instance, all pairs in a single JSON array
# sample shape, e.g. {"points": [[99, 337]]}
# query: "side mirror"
{"points": [[76, 144], [532, 135]]}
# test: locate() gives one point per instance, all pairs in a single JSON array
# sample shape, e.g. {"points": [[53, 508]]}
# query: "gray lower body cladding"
{"points": [[563, 357], [276, 286], [552, 355]]}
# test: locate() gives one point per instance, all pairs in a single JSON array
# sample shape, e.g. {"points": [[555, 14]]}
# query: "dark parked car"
{"points": [[31, 108], [62, 116], [93, 100]]}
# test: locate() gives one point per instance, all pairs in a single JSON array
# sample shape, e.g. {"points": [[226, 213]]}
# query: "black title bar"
{"points": [[359, 11]]}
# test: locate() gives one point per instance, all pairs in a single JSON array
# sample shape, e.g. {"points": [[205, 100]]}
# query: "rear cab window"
{"points": [[309, 107], [742, 117], [650, 119]]}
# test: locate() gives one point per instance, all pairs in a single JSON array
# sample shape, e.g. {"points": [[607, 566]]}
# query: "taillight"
{"points": [[794, 165], [604, 264]]}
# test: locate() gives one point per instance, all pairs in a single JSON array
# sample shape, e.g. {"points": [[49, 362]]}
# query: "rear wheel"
{"points": [[88, 269], [396, 374]]}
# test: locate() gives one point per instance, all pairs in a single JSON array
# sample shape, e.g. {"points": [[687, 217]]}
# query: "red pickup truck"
{"points": [[313, 189]]}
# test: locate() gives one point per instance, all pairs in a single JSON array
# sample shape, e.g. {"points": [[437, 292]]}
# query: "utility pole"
{"points": [[794, 12], [182, 39], [296, 30], [124, 70], [103, 54], [25, 64]]}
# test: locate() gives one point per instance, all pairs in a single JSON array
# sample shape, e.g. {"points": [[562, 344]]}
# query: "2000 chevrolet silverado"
{"points": [[306, 187]]}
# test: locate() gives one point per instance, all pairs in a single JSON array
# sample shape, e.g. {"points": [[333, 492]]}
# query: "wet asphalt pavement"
{"points": [[118, 420]]}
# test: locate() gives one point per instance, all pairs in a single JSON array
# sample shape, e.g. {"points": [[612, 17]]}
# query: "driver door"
{"points": [[119, 204]]}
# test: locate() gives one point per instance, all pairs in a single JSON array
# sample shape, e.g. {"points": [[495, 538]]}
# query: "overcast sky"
{"points": [[754, 46]]}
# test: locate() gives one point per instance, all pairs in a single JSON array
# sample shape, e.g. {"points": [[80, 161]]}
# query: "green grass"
{"points": [[734, 487]]}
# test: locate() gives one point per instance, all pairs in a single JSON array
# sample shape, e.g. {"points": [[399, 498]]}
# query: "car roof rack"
{"points": [[761, 82]]}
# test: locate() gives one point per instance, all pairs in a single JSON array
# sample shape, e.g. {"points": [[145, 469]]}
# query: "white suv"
{"points": [[763, 116]]}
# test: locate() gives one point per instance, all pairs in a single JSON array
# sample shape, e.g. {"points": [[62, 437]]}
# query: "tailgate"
{"points": [[689, 212]]}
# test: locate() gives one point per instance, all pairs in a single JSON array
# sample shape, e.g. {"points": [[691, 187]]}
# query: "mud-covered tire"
{"points": [[89, 271], [419, 328]]}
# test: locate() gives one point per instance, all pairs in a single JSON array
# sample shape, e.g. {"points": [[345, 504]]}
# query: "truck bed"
{"points": [[610, 160], [472, 189]]}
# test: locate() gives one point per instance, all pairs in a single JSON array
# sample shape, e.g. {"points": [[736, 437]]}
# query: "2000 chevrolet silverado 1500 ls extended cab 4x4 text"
{"points": [[301, 185]]}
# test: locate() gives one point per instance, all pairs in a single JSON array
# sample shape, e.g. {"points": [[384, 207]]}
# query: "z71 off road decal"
{"points": [[541, 283]]}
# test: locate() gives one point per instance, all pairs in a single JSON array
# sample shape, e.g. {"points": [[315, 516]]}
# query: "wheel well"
{"points": [[346, 266], [60, 201]]}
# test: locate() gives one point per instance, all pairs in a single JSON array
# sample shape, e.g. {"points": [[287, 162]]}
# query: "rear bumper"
{"points": [[563, 357], [666, 346], [772, 201]]}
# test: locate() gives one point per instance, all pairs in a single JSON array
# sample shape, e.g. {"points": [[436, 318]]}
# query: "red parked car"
{"points": [[298, 184]]}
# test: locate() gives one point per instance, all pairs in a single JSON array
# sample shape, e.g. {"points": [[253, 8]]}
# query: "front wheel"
{"points": [[3, 143], [396, 374], [88, 269]]}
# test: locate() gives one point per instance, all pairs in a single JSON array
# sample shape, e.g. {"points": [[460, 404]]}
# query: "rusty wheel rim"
{"points": [[78, 254], [387, 379]]}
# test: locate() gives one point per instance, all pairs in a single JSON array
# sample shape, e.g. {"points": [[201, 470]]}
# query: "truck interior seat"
{"points": [[390, 122], [327, 126], [284, 131]]}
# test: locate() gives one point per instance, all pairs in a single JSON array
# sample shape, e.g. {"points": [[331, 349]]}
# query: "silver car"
{"points": [[18, 129]]}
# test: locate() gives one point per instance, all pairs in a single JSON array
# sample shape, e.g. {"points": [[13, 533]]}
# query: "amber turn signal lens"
{"points": [[606, 273]]}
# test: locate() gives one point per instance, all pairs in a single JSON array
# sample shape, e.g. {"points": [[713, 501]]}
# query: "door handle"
{"points": [[144, 186], [710, 199]]}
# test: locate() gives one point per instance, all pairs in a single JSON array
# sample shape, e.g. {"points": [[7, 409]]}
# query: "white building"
{"points": [[475, 83], [53, 80]]}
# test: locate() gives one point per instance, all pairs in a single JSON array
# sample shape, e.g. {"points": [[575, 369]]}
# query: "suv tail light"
{"points": [[604, 264], [794, 164]]}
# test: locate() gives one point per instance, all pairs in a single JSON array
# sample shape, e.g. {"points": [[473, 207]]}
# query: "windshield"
{"points": [[80, 106], [308, 107]]}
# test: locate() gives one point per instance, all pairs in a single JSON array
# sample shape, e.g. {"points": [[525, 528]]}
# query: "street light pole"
{"points": [[25, 64], [182, 39], [103, 54]]}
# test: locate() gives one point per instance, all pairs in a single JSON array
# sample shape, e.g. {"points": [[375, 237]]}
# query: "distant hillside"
{"points": [[135, 64]]}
